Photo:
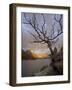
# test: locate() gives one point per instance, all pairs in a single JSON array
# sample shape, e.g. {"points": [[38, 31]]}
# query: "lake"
{"points": [[30, 67]]}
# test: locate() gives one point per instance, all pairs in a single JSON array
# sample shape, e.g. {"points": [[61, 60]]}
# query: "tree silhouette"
{"points": [[41, 33]]}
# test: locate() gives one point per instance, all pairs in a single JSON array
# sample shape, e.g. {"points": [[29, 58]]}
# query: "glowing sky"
{"points": [[40, 53]]}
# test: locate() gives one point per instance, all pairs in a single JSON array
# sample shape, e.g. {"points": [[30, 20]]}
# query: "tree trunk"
{"points": [[52, 52], [53, 60]]}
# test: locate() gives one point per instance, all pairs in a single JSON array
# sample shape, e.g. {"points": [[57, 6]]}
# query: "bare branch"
{"points": [[34, 36], [41, 34], [56, 36], [59, 21], [59, 31], [30, 23], [37, 41], [43, 22], [52, 31], [27, 20], [35, 27]]}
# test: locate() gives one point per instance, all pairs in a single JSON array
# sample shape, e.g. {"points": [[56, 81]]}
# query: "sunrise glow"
{"points": [[38, 54]]}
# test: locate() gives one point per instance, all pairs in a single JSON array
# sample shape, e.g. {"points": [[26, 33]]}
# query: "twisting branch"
{"points": [[59, 31], [52, 31], [44, 32], [55, 36], [42, 35], [32, 24], [35, 37], [59, 21], [43, 22]]}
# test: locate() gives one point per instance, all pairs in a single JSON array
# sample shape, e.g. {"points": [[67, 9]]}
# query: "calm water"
{"points": [[30, 67]]}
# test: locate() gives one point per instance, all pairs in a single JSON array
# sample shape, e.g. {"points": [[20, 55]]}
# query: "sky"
{"points": [[27, 38]]}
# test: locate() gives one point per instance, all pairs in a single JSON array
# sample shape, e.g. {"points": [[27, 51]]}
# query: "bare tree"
{"points": [[41, 35]]}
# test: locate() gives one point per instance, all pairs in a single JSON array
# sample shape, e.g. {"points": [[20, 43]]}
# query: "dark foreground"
{"points": [[40, 67]]}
